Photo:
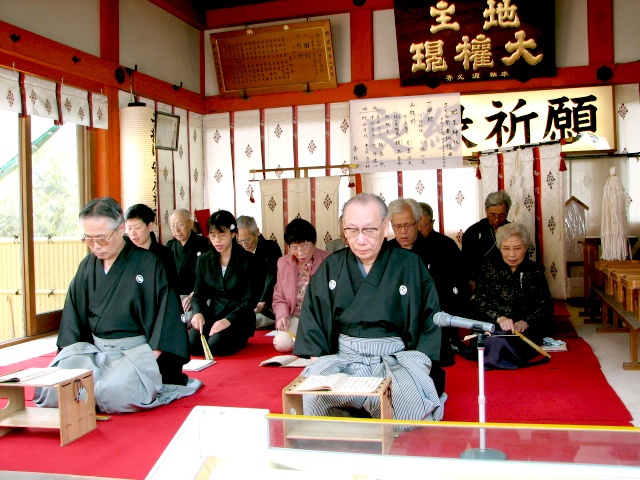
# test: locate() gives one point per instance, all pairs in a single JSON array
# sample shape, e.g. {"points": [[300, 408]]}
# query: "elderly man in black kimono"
{"points": [[186, 246], [368, 312], [479, 240], [121, 320], [441, 256], [267, 253]]}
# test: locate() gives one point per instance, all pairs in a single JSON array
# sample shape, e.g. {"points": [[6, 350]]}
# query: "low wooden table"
{"points": [[74, 416], [324, 429]]}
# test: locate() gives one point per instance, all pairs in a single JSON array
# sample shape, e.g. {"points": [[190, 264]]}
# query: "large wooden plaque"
{"points": [[282, 58]]}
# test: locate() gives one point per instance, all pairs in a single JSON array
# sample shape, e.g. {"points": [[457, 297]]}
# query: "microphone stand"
{"points": [[482, 453]]}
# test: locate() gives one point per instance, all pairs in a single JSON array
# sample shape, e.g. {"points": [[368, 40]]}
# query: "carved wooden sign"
{"points": [[275, 59]]}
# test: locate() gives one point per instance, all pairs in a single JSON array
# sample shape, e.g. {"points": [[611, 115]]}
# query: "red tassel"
{"points": [[563, 166], [251, 199], [478, 174], [351, 183]]}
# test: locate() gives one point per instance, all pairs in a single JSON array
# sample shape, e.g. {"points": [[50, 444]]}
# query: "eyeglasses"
{"points": [[498, 216], [300, 247], [103, 242], [177, 225], [405, 226], [218, 236], [368, 232], [516, 249], [243, 241]]}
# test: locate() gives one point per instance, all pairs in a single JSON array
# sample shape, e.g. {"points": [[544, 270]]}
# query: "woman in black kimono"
{"points": [[138, 219], [513, 294], [225, 293]]}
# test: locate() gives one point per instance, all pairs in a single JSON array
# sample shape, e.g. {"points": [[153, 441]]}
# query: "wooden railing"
{"points": [[56, 261]]}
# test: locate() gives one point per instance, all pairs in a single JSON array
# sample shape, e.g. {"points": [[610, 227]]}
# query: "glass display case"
{"points": [[226, 443]]}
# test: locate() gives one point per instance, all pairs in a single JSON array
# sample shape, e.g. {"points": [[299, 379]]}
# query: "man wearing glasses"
{"points": [[479, 240], [441, 256], [267, 253], [121, 320], [368, 312], [186, 246]]}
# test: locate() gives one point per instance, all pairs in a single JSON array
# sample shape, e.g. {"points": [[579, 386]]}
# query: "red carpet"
{"points": [[570, 389]]}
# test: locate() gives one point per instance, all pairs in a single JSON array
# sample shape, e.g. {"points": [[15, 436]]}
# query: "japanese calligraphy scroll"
{"points": [[282, 58], [471, 40], [405, 133]]}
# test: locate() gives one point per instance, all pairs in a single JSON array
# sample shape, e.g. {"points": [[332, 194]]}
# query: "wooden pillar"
{"points": [[26, 227]]}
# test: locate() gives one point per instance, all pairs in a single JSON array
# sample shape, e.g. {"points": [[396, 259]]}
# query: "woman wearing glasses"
{"points": [[225, 292], [513, 294], [294, 272]]}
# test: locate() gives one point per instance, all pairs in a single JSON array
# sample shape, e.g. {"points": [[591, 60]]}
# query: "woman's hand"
{"points": [[506, 324], [219, 326], [283, 324], [520, 326], [197, 322]]}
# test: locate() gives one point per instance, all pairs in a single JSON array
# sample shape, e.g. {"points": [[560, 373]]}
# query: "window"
{"points": [[55, 197]]}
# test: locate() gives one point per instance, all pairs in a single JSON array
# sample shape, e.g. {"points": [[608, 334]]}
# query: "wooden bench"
{"points": [[630, 285], [607, 266], [616, 276], [613, 312]]}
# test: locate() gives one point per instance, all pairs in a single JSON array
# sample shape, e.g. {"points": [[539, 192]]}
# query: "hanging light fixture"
{"points": [[137, 155]]}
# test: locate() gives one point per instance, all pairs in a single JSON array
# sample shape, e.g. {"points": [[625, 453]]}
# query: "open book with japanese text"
{"points": [[340, 382], [285, 361]]}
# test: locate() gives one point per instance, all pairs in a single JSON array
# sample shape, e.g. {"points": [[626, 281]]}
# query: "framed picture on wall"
{"points": [[167, 130]]}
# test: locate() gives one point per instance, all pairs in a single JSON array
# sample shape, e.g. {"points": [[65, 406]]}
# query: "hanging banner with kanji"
{"points": [[470, 40], [405, 133]]}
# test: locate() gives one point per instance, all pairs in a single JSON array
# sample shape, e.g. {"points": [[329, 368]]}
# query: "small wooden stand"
{"points": [[74, 417], [312, 428]]}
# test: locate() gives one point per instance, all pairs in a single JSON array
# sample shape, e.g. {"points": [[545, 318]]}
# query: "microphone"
{"points": [[443, 319]]}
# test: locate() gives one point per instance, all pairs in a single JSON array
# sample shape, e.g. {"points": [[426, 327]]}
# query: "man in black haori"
{"points": [[121, 320]]}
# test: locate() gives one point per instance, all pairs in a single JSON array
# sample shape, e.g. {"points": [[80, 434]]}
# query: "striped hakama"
{"points": [[413, 393]]}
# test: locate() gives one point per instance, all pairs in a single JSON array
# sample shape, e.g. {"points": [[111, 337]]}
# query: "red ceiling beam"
{"points": [[285, 10], [43, 57], [568, 77]]}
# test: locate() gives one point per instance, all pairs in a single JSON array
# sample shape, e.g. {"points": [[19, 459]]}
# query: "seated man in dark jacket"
{"points": [[267, 253]]}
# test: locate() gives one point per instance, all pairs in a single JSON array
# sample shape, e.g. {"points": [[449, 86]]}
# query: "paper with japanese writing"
{"points": [[406, 133]]}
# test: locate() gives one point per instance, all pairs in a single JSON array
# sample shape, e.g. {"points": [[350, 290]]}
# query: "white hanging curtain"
{"points": [[219, 168], [181, 170], [196, 160], [278, 142], [327, 211], [10, 91], [460, 199], [274, 212], [551, 227], [247, 155], [313, 199], [312, 146], [75, 106], [41, 97], [99, 110]]}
